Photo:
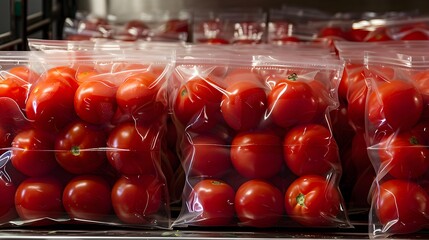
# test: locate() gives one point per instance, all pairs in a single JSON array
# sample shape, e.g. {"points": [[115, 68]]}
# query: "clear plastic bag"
{"points": [[235, 141], [85, 146], [396, 135]]}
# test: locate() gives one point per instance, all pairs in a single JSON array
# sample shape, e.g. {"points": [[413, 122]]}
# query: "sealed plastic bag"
{"points": [[396, 135], [255, 136], [85, 146]]}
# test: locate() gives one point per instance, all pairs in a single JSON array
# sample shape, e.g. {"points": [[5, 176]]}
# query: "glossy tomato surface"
{"points": [[77, 147], [87, 197], [292, 102], [197, 104], [244, 104], [214, 201], [134, 149], [259, 204], [32, 153], [401, 206], [310, 149], [257, 154], [136, 198], [39, 198], [95, 101], [313, 201]]}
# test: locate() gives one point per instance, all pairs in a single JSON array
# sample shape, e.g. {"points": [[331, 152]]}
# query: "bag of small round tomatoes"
{"points": [[397, 140], [84, 143], [255, 140]]}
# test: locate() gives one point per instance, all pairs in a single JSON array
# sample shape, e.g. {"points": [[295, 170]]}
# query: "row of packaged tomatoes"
{"points": [[236, 140]]}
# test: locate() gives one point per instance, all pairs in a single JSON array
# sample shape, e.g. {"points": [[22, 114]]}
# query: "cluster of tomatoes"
{"points": [[257, 148], [398, 140], [83, 142]]}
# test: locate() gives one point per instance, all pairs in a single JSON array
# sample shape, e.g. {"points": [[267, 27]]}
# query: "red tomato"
{"points": [[63, 74], [422, 82], [356, 103], [358, 35], [244, 104], [16, 89], [415, 35], [313, 201], [395, 152], [32, 153], [332, 32], [323, 98], [352, 74], [76, 148], [7, 203], [213, 202], [310, 149], [134, 149], [259, 204], [197, 104], [87, 197], [391, 101], [24, 73], [139, 95], [207, 156], [95, 101], [292, 102], [136, 198], [85, 72], [50, 102], [257, 154], [401, 206], [39, 198]]}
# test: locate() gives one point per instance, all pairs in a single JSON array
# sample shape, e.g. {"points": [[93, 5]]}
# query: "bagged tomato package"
{"points": [[229, 26], [396, 135], [84, 143], [255, 141], [353, 93]]}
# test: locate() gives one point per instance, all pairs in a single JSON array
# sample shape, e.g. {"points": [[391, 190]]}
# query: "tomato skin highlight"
{"points": [[39, 198], [292, 102], [257, 154], [136, 198], [134, 150], [95, 101], [259, 204], [76, 148], [244, 104], [395, 152], [311, 149], [197, 104], [214, 200], [393, 100], [313, 201], [401, 206], [87, 197], [32, 153]]}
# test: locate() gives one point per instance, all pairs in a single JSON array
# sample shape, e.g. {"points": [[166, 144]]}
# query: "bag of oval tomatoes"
{"points": [[256, 145], [82, 138], [397, 138]]}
